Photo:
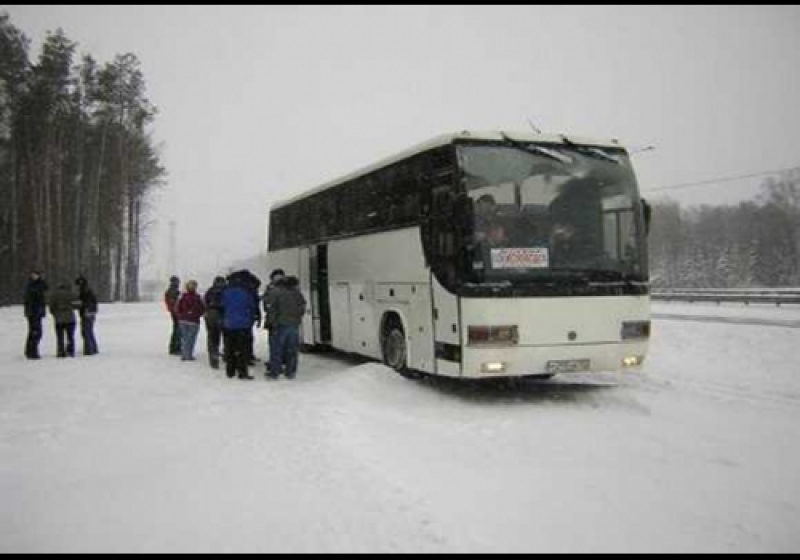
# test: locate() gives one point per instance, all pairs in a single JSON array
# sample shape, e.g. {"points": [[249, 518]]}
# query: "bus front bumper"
{"points": [[518, 361]]}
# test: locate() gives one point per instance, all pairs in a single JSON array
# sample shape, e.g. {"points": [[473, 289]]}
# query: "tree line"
{"points": [[752, 244], [78, 164]]}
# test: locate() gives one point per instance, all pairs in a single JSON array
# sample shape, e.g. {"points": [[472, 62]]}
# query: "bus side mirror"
{"points": [[647, 211]]}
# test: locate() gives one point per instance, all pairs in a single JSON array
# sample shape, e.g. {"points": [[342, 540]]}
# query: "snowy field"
{"points": [[134, 451]]}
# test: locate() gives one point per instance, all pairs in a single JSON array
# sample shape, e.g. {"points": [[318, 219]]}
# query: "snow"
{"points": [[757, 314], [135, 451]]}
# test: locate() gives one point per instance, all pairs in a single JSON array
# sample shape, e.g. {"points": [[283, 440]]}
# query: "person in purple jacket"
{"points": [[189, 309], [238, 309]]}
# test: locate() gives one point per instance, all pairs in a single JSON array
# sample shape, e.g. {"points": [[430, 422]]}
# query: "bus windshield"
{"points": [[546, 212]]}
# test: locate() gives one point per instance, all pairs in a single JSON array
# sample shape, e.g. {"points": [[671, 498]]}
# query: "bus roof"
{"points": [[446, 139]]}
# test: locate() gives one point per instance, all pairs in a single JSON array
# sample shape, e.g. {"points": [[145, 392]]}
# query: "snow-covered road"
{"points": [[133, 451]]}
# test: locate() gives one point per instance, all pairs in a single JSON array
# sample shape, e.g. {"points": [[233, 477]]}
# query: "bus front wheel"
{"points": [[395, 351], [395, 354]]}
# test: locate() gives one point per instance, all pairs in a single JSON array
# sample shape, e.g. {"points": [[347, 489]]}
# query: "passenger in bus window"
{"points": [[562, 238], [487, 223], [496, 235]]}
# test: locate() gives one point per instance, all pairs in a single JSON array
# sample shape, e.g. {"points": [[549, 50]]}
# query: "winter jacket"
{"points": [[267, 302], [286, 306], [251, 283], [63, 303], [190, 308], [171, 297], [35, 300], [88, 302], [213, 301], [238, 307]]}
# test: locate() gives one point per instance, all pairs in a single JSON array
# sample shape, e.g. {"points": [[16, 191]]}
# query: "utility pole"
{"points": [[172, 262]]}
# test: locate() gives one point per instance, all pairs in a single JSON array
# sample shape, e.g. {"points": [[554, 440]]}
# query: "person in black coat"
{"points": [[213, 317], [87, 311], [275, 279], [63, 303], [35, 311], [171, 296]]}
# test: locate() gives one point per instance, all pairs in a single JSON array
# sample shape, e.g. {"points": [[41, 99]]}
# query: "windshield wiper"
{"points": [[537, 150], [605, 276], [628, 279], [597, 153]]}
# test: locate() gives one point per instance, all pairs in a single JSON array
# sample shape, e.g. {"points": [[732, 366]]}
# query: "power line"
{"points": [[721, 180]]}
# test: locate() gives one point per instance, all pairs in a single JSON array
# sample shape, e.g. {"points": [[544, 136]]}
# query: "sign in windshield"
{"points": [[524, 258]]}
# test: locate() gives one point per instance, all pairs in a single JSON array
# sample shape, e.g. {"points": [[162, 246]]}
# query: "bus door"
{"points": [[446, 313], [320, 294], [305, 267]]}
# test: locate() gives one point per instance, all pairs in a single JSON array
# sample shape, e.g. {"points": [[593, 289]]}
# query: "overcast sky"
{"points": [[257, 103]]}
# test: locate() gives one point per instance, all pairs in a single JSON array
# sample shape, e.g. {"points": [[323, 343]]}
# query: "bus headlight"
{"points": [[506, 335], [635, 329], [632, 361]]}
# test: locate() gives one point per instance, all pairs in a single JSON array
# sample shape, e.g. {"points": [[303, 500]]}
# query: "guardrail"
{"points": [[776, 296]]}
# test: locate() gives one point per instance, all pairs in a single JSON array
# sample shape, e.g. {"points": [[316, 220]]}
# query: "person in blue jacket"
{"points": [[238, 309]]}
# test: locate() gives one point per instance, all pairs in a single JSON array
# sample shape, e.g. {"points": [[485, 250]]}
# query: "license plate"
{"points": [[568, 366]]}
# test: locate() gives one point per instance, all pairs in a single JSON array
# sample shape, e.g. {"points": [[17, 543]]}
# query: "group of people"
{"points": [[63, 302], [232, 308]]}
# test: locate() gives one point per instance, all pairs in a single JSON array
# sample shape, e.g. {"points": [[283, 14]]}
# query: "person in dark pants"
{"points": [[190, 309], [253, 284], [35, 311], [238, 310], [213, 318], [63, 303], [170, 300], [275, 278], [287, 307], [87, 311]]}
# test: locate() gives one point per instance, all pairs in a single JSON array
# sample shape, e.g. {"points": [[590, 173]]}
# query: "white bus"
{"points": [[476, 255]]}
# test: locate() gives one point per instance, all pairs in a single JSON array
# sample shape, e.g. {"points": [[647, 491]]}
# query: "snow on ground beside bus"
{"points": [[134, 451], [780, 315]]}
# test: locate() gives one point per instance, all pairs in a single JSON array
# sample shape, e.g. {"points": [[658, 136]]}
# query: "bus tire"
{"points": [[395, 352], [395, 349]]}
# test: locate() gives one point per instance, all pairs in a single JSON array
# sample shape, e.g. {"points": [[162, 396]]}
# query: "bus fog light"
{"points": [[493, 367], [632, 361]]}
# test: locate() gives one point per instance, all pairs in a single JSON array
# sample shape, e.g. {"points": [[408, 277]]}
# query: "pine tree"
{"points": [[77, 165]]}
